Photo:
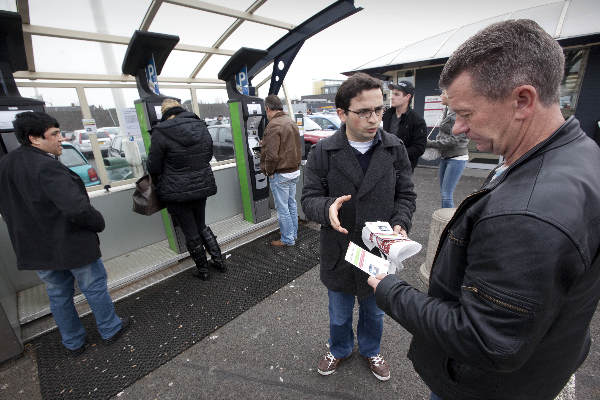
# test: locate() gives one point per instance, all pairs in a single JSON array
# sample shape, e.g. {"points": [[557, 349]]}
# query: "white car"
{"points": [[326, 121], [81, 141]]}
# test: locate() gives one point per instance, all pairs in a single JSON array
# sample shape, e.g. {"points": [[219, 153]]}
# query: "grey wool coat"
{"points": [[384, 193]]}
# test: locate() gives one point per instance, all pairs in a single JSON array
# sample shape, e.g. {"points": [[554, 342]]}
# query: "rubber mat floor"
{"points": [[170, 317]]}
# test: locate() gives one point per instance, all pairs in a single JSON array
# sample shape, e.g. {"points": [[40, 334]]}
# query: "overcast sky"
{"points": [[383, 26]]}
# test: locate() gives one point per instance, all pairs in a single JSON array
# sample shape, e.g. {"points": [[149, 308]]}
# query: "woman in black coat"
{"points": [[179, 162]]}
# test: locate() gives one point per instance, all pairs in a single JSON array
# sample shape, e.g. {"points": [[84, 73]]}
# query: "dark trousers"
{"points": [[190, 217]]}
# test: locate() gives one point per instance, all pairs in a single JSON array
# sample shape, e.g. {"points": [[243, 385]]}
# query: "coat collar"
{"points": [[568, 132]]}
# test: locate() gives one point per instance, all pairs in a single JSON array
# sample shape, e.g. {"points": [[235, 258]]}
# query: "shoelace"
{"points": [[330, 358], [377, 360]]}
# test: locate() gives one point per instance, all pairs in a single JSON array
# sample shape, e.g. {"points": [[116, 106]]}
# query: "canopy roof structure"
{"points": [[571, 22], [86, 40]]}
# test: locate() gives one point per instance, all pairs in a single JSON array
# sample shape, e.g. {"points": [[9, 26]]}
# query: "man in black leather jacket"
{"points": [[516, 277]]}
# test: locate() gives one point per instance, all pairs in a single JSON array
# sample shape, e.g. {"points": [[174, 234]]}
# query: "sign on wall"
{"points": [[433, 111]]}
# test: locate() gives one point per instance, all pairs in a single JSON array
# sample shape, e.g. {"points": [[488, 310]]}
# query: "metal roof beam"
{"points": [[230, 12], [106, 38], [103, 77], [232, 28], [23, 10], [150, 14]]}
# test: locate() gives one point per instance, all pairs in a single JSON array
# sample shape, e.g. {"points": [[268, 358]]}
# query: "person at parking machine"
{"points": [[280, 158], [54, 229], [179, 162]]}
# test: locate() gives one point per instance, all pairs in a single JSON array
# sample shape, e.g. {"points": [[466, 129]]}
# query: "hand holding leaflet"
{"points": [[366, 261], [395, 247]]}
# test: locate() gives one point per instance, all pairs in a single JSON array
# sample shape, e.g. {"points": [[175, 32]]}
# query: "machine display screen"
{"points": [[7, 117]]}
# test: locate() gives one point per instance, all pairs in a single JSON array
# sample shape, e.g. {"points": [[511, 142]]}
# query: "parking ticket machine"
{"points": [[12, 58], [144, 59], [248, 120]]}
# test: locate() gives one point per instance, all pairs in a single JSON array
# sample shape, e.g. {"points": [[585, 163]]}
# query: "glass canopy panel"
{"points": [[193, 27], [121, 17], [280, 10], [546, 16], [581, 18], [254, 35], [181, 63], [464, 33], [67, 56], [212, 67], [423, 50], [8, 5]]}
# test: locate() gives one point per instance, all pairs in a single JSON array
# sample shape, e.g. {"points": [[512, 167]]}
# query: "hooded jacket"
{"points": [[179, 159], [514, 282]]}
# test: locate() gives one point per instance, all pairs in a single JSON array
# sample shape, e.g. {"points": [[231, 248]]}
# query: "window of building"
{"points": [[571, 83]]}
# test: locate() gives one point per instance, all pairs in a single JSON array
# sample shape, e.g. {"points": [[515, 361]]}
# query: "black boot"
{"points": [[199, 256], [210, 241]]}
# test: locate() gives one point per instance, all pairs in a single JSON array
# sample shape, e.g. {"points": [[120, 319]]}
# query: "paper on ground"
{"points": [[366, 261]]}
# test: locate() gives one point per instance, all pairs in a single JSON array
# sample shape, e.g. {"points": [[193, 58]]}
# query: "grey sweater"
{"points": [[450, 145]]}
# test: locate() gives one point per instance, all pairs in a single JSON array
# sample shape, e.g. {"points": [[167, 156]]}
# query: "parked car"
{"points": [[116, 157], [313, 133], [222, 142], [111, 130], [326, 121], [81, 140], [76, 162]]}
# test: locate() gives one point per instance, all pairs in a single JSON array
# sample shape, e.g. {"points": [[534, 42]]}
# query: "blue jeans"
{"points": [[450, 172], [284, 194], [91, 279], [369, 329]]}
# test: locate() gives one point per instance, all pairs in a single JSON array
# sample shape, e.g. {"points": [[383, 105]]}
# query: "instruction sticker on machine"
{"points": [[366, 261]]}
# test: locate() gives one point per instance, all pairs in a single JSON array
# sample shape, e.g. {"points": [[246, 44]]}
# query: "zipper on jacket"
{"points": [[495, 300]]}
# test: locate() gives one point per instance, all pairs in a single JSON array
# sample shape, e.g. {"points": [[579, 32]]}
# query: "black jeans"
{"points": [[190, 217]]}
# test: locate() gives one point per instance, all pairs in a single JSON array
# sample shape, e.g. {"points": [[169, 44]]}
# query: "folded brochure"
{"points": [[366, 261]]}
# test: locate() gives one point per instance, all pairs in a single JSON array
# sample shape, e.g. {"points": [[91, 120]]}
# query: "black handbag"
{"points": [[145, 200]]}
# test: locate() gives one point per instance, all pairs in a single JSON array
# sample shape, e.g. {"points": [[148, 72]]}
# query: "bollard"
{"points": [[439, 219]]}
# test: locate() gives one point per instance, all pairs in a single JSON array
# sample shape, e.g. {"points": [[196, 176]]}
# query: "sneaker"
{"points": [[76, 352], [124, 327], [328, 364], [279, 243], [379, 367]]}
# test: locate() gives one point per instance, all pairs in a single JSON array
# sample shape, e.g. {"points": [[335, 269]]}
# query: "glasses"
{"points": [[366, 114]]}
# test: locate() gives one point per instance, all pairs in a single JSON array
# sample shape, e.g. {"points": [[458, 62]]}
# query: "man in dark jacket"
{"points": [[404, 122], [280, 157], [516, 277], [359, 174], [54, 228]]}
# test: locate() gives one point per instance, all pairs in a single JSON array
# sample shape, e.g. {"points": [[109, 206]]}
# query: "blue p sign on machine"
{"points": [[151, 76], [241, 81]]}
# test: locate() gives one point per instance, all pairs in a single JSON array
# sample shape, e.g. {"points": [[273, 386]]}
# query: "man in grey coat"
{"points": [[357, 175]]}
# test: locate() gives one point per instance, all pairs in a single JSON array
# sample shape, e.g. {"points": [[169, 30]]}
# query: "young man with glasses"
{"points": [[359, 174], [404, 122]]}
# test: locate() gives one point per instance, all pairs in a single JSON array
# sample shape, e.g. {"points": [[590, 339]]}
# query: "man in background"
{"points": [[280, 157], [54, 229], [401, 120]]}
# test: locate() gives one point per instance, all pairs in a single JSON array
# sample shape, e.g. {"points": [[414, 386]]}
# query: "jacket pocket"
{"points": [[330, 248], [471, 379]]}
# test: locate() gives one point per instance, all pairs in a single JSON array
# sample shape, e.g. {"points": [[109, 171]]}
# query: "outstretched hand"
{"points": [[334, 220]]}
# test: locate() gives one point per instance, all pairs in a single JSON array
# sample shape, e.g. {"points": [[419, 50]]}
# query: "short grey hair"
{"points": [[506, 55]]}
